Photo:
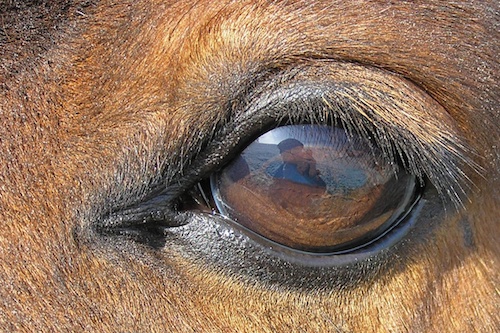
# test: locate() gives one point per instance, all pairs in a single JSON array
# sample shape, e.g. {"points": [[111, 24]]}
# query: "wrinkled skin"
{"points": [[103, 103]]}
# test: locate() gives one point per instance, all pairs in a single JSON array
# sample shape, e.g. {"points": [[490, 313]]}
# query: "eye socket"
{"points": [[314, 188]]}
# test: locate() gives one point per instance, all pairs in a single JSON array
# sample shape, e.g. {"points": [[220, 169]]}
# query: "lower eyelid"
{"points": [[219, 240]]}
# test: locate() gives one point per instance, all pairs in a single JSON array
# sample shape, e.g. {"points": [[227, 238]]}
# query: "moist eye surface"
{"points": [[313, 188]]}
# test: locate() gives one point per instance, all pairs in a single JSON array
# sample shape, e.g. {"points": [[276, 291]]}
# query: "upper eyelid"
{"points": [[407, 123]]}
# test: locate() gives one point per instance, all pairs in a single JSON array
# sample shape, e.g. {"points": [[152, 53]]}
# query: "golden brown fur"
{"points": [[102, 101]]}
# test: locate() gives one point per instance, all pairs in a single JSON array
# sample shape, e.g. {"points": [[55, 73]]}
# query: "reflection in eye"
{"points": [[313, 188]]}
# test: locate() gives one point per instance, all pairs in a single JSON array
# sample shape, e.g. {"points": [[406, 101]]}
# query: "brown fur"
{"points": [[101, 102]]}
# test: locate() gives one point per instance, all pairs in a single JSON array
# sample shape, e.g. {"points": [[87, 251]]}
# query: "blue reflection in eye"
{"points": [[313, 188], [298, 164]]}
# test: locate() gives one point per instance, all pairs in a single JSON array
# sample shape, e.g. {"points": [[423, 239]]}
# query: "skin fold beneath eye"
{"points": [[313, 188]]}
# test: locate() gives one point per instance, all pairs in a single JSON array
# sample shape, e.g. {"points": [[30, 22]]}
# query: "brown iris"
{"points": [[313, 188]]}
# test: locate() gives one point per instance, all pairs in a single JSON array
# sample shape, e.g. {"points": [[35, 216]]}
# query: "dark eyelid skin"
{"points": [[368, 101]]}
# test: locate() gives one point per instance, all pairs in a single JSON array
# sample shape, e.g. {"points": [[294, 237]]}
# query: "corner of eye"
{"points": [[453, 178]]}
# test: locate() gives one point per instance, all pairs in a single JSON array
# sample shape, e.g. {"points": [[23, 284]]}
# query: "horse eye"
{"points": [[314, 188]]}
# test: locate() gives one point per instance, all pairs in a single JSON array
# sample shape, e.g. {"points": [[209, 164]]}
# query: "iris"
{"points": [[314, 188]]}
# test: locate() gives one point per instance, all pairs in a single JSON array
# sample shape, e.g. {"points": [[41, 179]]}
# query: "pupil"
{"points": [[312, 188]]}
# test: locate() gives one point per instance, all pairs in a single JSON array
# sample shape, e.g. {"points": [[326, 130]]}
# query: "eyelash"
{"points": [[440, 164]]}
